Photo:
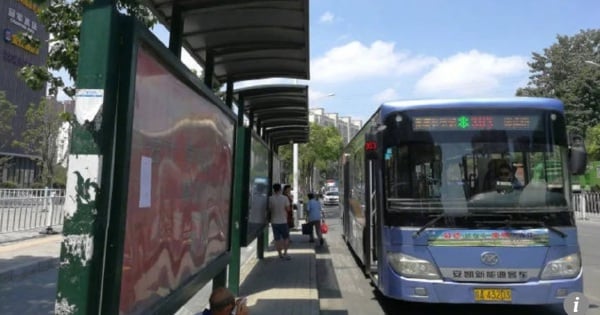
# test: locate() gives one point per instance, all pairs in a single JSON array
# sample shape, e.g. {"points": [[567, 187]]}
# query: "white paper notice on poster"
{"points": [[145, 182], [87, 104]]}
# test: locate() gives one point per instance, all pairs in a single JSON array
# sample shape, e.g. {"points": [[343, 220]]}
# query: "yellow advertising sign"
{"points": [[30, 5], [16, 40]]}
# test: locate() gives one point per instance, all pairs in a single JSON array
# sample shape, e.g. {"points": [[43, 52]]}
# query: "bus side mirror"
{"points": [[577, 155]]}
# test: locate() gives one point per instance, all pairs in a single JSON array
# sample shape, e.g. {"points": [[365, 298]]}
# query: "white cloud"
{"points": [[470, 74], [327, 17], [385, 95], [354, 61]]}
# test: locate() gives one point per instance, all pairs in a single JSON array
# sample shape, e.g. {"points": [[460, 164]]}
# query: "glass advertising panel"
{"points": [[179, 187], [259, 188]]}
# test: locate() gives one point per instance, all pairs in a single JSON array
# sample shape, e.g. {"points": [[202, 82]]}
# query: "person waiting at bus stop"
{"points": [[223, 302], [279, 205], [313, 207]]}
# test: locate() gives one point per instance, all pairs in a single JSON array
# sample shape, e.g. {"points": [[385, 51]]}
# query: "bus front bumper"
{"points": [[530, 293]]}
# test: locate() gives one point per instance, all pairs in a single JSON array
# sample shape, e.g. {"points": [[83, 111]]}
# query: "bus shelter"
{"points": [[159, 170]]}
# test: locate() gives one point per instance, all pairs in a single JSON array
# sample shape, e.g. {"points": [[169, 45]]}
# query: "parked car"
{"points": [[331, 198]]}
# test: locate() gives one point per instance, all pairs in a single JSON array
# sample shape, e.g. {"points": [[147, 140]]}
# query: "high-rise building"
{"points": [[347, 126], [18, 17]]}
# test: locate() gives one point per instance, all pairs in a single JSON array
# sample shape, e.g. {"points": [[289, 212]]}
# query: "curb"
{"points": [[27, 257], [28, 269]]}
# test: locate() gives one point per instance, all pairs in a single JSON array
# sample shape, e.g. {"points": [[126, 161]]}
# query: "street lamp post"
{"points": [[313, 175]]}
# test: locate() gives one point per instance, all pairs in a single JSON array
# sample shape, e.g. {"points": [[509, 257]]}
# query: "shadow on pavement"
{"points": [[278, 284]]}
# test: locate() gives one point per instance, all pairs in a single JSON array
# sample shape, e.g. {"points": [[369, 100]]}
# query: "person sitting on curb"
{"points": [[223, 302], [314, 210]]}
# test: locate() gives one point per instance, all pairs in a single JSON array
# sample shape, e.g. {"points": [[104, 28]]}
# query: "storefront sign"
{"points": [[9, 37], [24, 22]]}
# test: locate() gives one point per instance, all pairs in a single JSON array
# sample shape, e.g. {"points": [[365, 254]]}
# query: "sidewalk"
{"points": [[21, 258], [276, 286], [272, 285]]}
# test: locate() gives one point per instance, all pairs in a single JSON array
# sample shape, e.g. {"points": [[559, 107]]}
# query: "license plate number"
{"points": [[502, 295]]}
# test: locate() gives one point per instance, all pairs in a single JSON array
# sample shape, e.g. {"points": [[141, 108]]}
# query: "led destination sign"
{"points": [[475, 122]]}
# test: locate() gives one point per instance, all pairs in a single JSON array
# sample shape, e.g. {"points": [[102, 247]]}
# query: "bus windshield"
{"points": [[461, 172]]}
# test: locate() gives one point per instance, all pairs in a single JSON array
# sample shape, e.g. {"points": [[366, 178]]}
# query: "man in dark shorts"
{"points": [[279, 206]]}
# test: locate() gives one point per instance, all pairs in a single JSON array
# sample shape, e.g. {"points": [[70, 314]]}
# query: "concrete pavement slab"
{"points": [[20, 259]]}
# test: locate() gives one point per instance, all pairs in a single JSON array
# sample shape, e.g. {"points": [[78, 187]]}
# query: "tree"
{"points": [[62, 19], [43, 125], [561, 72], [592, 143], [321, 153], [7, 113]]}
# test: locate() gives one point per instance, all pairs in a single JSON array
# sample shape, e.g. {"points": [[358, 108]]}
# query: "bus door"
{"points": [[371, 222], [345, 197], [373, 205]]}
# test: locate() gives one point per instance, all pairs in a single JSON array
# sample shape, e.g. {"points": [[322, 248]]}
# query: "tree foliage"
{"points": [[62, 19], [318, 156], [40, 137], [592, 143], [561, 71], [320, 153], [7, 113]]}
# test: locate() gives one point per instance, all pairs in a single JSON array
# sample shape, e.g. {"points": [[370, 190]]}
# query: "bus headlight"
{"points": [[565, 267], [412, 267]]}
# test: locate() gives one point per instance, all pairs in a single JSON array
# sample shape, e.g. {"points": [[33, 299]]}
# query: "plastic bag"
{"points": [[324, 227]]}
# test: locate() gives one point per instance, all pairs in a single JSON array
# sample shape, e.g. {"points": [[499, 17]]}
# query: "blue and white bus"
{"points": [[465, 201]]}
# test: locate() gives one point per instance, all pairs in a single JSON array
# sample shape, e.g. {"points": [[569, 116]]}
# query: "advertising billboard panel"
{"points": [[178, 188], [258, 190]]}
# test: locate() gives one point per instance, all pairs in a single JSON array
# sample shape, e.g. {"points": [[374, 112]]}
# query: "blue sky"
{"points": [[388, 50], [368, 52]]}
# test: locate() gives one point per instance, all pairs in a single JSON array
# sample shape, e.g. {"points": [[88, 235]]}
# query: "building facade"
{"points": [[347, 126], [18, 18]]}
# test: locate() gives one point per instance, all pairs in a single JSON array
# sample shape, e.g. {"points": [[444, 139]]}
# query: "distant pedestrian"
{"points": [[279, 206], [223, 302], [287, 191], [313, 207]]}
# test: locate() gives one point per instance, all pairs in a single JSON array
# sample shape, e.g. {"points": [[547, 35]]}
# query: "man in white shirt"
{"points": [[279, 205]]}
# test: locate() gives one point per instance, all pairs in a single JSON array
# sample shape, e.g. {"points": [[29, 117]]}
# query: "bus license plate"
{"points": [[503, 295]]}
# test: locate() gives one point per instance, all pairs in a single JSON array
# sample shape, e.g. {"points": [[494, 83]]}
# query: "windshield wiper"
{"points": [[539, 223], [429, 224]]}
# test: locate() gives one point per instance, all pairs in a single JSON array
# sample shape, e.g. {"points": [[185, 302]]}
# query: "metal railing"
{"points": [[30, 209], [586, 204]]}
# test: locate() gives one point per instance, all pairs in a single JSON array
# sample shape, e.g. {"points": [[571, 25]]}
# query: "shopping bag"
{"points": [[324, 227], [306, 229]]}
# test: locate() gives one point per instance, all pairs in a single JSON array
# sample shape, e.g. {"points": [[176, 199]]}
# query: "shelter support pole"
{"points": [[176, 31], [89, 179], [220, 280], [240, 195], [262, 241], [229, 94], [209, 69]]}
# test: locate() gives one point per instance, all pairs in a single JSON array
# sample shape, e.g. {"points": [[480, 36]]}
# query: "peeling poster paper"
{"points": [[87, 104], [145, 182]]}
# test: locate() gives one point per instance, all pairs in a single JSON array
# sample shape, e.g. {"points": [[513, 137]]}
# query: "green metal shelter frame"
{"points": [[279, 115], [233, 40]]}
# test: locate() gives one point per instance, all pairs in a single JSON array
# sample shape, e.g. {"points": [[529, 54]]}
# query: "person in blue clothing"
{"points": [[314, 210], [223, 302]]}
